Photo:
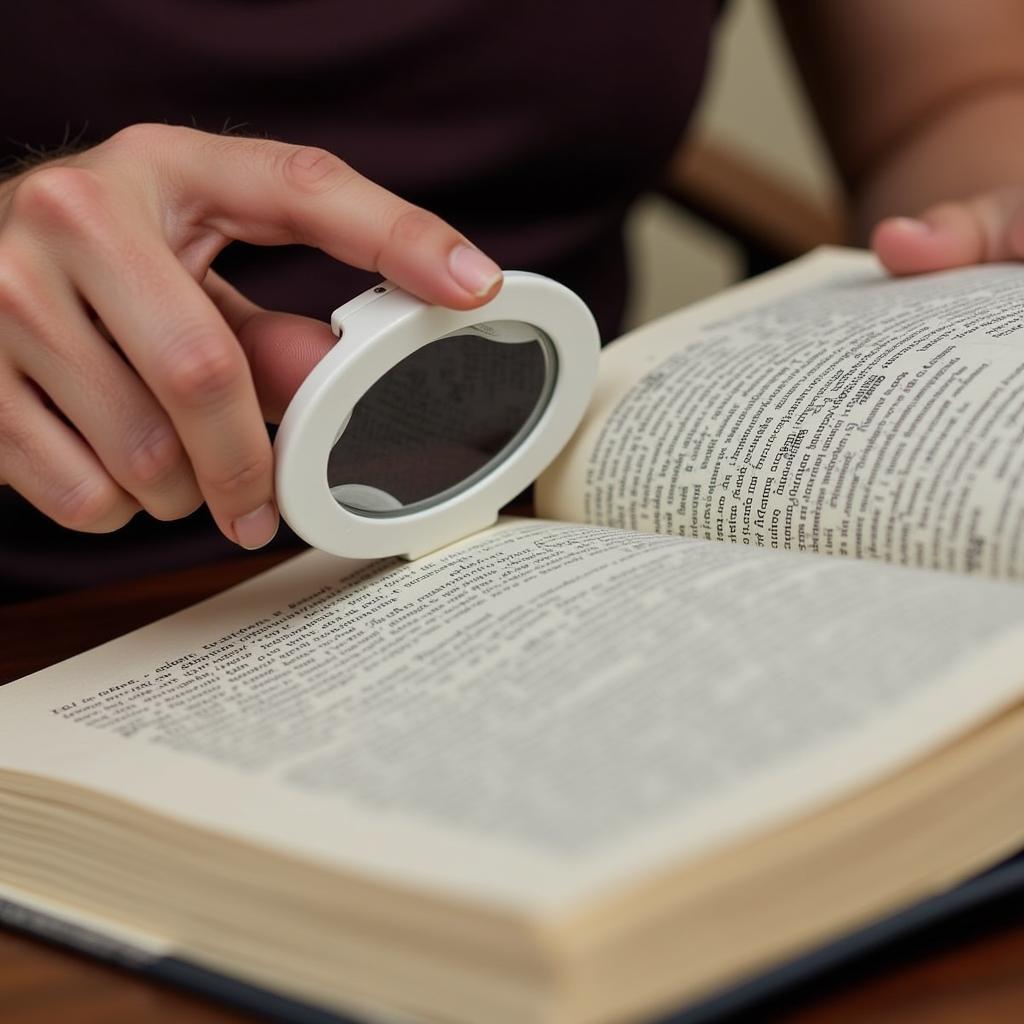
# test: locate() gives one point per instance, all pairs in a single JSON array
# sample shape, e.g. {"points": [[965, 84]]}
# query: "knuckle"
{"points": [[19, 297], [142, 137], [154, 454], [90, 505], [202, 368], [315, 171], [411, 225], [62, 197], [241, 475]]}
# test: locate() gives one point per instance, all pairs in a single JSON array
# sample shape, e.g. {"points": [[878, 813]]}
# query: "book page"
{"points": [[822, 408], [532, 715]]}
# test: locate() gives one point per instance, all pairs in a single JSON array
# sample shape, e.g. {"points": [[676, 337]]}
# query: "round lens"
{"points": [[442, 418]]}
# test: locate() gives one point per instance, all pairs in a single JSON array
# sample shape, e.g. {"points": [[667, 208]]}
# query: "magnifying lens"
{"points": [[422, 422]]}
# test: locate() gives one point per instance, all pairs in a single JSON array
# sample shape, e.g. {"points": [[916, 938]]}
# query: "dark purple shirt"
{"points": [[529, 126]]}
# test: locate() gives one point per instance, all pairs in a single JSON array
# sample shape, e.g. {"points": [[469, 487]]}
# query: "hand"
{"points": [[132, 376], [985, 229]]}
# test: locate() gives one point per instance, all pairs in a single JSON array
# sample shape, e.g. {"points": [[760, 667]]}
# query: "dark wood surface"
{"points": [[969, 971]]}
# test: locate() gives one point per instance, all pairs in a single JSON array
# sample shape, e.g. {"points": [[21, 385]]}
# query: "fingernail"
{"points": [[912, 225], [256, 528], [474, 271]]}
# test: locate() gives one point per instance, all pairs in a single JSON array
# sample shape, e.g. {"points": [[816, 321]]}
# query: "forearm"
{"points": [[969, 143], [920, 102]]}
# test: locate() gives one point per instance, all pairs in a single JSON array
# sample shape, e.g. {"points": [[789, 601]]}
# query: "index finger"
{"points": [[272, 193]]}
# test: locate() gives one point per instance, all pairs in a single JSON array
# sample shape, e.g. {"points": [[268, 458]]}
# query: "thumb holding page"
{"points": [[987, 228]]}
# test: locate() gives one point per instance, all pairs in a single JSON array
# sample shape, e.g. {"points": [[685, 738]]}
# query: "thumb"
{"points": [[281, 348], [984, 229]]}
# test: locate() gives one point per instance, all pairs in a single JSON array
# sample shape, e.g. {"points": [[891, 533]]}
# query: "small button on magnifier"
{"points": [[422, 422]]}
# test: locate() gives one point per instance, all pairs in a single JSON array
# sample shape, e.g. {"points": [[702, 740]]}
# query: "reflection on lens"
{"points": [[439, 419]]}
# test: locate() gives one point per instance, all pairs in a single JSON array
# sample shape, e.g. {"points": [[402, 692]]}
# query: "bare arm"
{"points": [[922, 104]]}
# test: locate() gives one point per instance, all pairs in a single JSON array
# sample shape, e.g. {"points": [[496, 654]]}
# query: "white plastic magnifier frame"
{"points": [[379, 329]]}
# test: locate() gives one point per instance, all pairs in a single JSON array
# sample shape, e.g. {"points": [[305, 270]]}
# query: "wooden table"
{"points": [[971, 971]]}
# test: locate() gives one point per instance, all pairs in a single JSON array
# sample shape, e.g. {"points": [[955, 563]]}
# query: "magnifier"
{"points": [[422, 422]]}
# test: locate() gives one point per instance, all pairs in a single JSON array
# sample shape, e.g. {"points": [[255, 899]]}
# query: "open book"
{"points": [[590, 770]]}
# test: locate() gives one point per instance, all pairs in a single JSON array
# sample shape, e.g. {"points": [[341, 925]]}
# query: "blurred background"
{"points": [[754, 163]]}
